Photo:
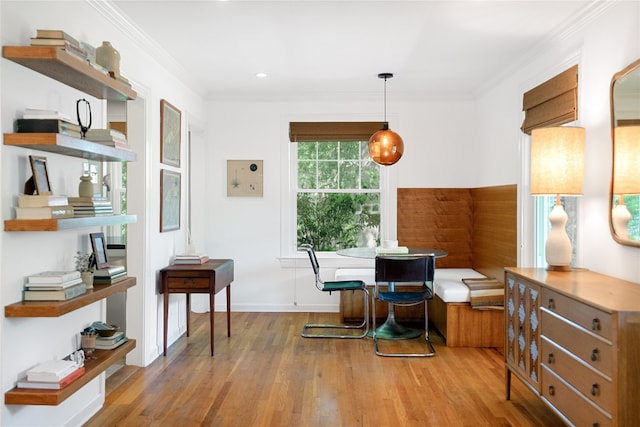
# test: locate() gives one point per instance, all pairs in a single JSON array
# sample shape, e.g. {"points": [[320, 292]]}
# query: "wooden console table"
{"points": [[210, 277]]}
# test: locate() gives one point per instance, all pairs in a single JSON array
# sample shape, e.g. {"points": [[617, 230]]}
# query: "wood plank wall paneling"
{"points": [[437, 218], [477, 227]]}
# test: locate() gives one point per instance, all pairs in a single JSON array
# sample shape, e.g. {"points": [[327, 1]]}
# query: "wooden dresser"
{"points": [[574, 339]]}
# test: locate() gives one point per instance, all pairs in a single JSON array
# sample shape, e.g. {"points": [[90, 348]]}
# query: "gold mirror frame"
{"points": [[633, 68]]}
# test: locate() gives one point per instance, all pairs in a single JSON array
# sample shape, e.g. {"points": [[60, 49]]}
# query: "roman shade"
{"points": [[332, 131], [552, 103]]}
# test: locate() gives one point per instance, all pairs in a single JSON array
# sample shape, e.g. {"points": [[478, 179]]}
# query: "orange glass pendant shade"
{"points": [[386, 146]]}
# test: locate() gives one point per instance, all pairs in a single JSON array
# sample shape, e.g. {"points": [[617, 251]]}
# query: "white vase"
{"points": [[108, 57], [87, 278]]}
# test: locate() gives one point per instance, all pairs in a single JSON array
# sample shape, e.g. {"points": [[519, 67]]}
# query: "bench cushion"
{"points": [[449, 286]]}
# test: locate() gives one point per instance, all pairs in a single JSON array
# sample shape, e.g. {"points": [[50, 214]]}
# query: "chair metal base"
{"points": [[364, 325], [432, 350]]}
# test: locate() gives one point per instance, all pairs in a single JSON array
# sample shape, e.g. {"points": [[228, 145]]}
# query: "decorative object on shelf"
{"points": [[626, 174], [88, 118], [170, 134], [244, 178], [385, 146], [99, 246], [169, 200], [557, 167], [85, 188], [88, 341], [109, 57], [84, 264], [39, 181]]}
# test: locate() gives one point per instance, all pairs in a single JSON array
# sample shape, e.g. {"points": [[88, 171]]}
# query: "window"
{"points": [[338, 195]]}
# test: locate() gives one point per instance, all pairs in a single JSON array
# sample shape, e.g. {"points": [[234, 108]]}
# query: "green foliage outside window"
{"points": [[633, 205], [338, 196]]}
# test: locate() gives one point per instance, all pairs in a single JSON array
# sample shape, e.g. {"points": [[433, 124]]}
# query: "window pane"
{"points": [[327, 175], [327, 150], [307, 175], [370, 175], [307, 150], [350, 150], [349, 171], [334, 221]]}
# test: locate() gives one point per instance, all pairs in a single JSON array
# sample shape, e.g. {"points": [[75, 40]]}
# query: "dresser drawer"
{"points": [[177, 282], [572, 405], [597, 321], [595, 387], [591, 349]]}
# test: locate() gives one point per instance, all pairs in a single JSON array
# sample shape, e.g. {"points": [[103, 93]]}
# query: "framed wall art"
{"points": [[40, 175], [170, 133], [244, 178], [169, 200]]}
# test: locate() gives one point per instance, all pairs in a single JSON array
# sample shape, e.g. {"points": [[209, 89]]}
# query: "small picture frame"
{"points": [[40, 175], [170, 134], [169, 200], [99, 246], [244, 178]]}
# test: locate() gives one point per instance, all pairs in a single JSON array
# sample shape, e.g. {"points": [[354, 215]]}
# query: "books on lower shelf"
{"points": [[52, 286], [88, 206], [37, 113], [110, 280], [41, 200], [54, 294], [52, 370], [190, 259], [109, 343], [53, 277], [109, 271], [52, 385], [44, 212], [48, 126]]}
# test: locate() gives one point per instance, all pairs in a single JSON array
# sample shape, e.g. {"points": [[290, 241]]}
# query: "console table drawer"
{"points": [[594, 386], [590, 318], [572, 405], [589, 348], [174, 282]]}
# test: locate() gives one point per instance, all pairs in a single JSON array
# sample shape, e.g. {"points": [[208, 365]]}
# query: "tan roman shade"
{"points": [[552, 103], [332, 131]]}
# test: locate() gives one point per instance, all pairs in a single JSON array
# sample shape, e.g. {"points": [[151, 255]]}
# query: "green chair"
{"points": [[336, 286], [391, 270]]}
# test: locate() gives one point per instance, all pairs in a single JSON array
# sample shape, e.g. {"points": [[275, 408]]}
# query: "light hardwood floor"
{"points": [[266, 374]]}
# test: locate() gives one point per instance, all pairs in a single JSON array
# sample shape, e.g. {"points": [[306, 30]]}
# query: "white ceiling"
{"points": [[313, 48]]}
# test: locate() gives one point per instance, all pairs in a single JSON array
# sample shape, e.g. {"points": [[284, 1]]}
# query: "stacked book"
{"points": [[43, 206], [52, 374], [190, 259], [109, 343], [53, 286], [48, 125], [90, 206], [110, 137], [62, 40], [391, 251], [109, 275]]}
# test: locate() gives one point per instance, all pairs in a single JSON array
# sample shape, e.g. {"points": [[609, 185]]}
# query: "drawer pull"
{"points": [[551, 305], [595, 390], [594, 355], [595, 324], [550, 358], [596, 424], [552, 390]]}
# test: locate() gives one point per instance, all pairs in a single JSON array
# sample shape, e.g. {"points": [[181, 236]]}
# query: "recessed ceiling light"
{"points": [[261, 75]]}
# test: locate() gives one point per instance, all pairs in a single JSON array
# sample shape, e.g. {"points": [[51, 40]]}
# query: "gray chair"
{"points": [[336, 286], [391, 270]]}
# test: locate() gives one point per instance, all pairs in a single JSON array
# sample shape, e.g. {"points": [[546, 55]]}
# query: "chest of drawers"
{"points": [[574, 339]]}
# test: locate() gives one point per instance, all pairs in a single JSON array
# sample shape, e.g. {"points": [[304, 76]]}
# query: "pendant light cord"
{"points": [[385, 99]]}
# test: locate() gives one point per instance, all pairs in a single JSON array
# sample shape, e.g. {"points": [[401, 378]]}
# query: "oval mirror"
{"points": [[624, 214]]}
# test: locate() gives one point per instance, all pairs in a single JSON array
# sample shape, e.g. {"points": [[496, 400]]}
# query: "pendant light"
{"points": [[385, 146]]}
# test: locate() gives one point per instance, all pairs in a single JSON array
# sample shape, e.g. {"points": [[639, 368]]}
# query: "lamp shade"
{"points": [[385, 146], [626, 160], [557, 160]]}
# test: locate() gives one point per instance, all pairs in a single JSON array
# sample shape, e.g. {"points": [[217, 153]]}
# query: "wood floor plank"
{"points": [[266, 374]]}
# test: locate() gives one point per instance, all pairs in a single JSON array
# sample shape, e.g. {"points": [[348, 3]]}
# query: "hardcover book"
{"points": [[109, 271], [55, 295], [45, 126], [44, 212], [52, 286], [26, 383], [111, 346], [41, 200], [52, 370], [56, 34], [53, 276]]}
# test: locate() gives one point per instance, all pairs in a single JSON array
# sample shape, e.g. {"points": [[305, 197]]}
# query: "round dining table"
{"points": [[391, 329]]}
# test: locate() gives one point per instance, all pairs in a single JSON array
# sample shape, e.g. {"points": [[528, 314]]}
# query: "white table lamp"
{"points": [[557, 168], [626, 174]]}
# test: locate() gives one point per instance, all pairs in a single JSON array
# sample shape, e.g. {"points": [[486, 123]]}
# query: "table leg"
{"points": [[188, 311], [392, 330], [212, 305], [165, 309], [229, 310]]}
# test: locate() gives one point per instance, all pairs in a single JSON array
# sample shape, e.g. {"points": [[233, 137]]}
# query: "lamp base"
{"points": [[558, 246]]}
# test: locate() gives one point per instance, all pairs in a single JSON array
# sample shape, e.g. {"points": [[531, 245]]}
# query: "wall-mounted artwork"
{"points": [[170, 133], [169, 200], [244, 178]]}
